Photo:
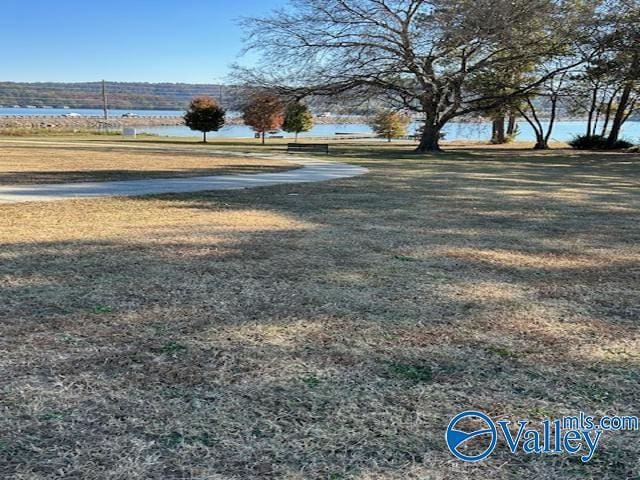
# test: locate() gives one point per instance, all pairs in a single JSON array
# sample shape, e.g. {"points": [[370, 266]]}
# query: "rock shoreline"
{"points": [[57, 122]]}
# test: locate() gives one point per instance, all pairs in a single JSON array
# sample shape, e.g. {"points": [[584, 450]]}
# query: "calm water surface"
{"points": [[563, 131]]}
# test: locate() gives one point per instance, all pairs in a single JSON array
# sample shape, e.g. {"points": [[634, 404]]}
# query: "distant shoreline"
{"points": [[59, 122]]}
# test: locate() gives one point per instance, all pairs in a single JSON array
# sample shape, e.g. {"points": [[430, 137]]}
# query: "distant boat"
{"points": [[17, 106], [45, 106], [31, 106], [65, 107]]}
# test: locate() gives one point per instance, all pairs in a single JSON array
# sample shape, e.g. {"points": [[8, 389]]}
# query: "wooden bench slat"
{"points": [[308, 147]]}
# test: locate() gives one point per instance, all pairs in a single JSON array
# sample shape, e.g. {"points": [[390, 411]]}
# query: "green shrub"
{"points": [[621, 145], [597, 142]]}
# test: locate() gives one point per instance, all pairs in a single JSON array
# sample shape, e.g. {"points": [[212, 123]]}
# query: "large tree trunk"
{"points": [[608, 110], [621, 114], [498, 134], [552, 121], [592, 110], [263, 134], [430, 140], [511, 127], [204, 137], [596, 118], [541, 142]]}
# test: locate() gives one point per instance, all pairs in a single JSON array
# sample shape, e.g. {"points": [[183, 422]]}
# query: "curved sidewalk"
{"points": [[312, 170]]}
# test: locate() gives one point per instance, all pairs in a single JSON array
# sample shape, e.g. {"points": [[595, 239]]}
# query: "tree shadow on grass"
{"points": [[293, 351], [110, 175]]}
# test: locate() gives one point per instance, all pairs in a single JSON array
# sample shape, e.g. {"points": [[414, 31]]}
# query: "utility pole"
{"points": [[218, 81], [104, 101]]}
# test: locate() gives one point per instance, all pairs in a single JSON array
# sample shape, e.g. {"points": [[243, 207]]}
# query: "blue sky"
{"points": [[117, 40]]}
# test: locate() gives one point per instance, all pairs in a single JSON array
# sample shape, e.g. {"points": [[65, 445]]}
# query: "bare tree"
{"points": [[551, 93], [421, 55], [625, 43], [607, 88]]}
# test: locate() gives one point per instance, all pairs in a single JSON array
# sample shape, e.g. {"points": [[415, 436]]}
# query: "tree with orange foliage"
{"points": [[264, 113]]}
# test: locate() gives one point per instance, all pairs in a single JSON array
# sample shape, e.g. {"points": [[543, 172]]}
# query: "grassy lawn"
{"points": [[322, 331], [35, 163]]}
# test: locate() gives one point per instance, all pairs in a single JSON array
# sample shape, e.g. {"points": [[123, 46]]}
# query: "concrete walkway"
{"points": [[311, 170]]}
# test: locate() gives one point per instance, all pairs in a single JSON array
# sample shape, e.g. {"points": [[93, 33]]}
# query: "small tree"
{"points": [[204, 115], [390, 125], [297, 119], [551, 93], [264, 113]]}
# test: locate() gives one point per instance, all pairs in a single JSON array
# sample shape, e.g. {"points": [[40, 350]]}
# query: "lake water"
{"points": [[563, 131]]}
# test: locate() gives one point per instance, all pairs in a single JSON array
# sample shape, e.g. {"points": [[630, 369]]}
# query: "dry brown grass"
{"points": [[268, 333], [33, 164]]}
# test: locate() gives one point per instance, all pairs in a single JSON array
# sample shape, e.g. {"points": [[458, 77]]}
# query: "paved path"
{"points": [[311, 170]]}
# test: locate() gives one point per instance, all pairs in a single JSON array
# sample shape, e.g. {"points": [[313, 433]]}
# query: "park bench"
{"points": [[308, 147]]}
